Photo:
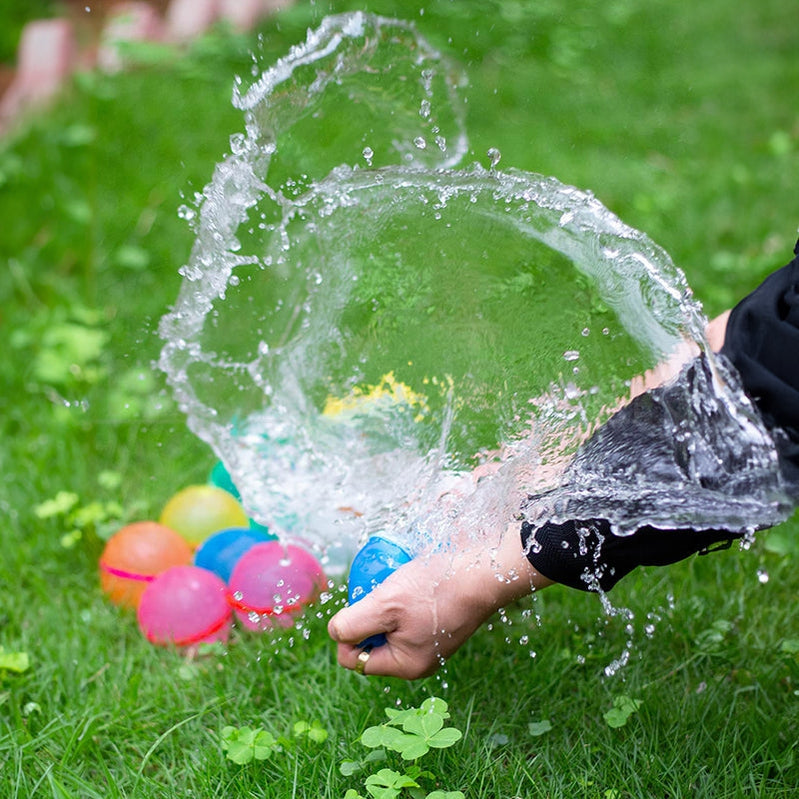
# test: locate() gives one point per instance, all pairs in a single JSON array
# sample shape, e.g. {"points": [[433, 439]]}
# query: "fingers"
{"points": [[386, 661], [375, 614], [358, 622]]}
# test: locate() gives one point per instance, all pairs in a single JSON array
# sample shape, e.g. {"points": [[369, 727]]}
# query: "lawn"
{"points": [[682, 120]]}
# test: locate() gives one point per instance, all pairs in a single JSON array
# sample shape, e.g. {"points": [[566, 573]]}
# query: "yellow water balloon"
{"points": [[199, 511]]}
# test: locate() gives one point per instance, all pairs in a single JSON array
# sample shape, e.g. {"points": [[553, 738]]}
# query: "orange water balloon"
{"points": [[135, 556]]}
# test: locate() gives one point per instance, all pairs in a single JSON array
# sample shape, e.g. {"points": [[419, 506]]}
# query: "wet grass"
{"points": [[681, 121]]}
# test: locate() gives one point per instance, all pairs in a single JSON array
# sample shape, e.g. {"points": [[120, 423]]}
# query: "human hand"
{"points": [[429, 607]]}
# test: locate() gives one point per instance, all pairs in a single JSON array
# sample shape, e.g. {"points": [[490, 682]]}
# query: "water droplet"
{"points": [[613, 668], [368, 154], [571, 355], [586, 331], [494, 157], [238, 144], [187, 213], [420, 143], [565, 218]]}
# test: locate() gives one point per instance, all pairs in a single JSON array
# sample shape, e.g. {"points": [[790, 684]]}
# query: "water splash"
{"points": [[363, 319], [695, 455]]}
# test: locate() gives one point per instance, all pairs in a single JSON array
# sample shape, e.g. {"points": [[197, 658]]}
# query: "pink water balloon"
{"points": [[272, 584], [185, 606]]}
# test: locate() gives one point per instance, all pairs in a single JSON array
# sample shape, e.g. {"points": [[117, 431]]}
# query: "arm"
{"points": [[760, 337], [430, 606]]}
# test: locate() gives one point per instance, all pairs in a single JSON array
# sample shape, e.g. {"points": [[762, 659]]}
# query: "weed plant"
{"points": [[682, 119]]}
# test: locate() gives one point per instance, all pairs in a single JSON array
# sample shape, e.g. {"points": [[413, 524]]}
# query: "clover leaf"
{"points": [[313, 731], [422, 729], [14, 661], [387, 783], [411, 733], [350, 767], [623, 708], [536, 728], [244, 744]]}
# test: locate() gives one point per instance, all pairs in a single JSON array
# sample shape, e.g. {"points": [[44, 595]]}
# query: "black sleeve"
{"points": [[588, 556], [762, 343]]}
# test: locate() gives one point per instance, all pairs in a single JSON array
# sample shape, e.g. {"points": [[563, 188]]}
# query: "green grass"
{"points": [[682, 119]]}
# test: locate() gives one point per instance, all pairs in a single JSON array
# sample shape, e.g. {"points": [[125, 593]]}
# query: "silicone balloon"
{"points": [[272, 583], [220, 552], [185, 606], [135, 555], [220, 477], [200, 510], [374, 562]]}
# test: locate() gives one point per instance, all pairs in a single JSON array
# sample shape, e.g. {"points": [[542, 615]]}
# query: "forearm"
{"points": [[760, 338], [506, 573]]}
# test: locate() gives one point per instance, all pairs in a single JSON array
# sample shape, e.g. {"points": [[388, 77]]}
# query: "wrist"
{"points": [[500, 575]]}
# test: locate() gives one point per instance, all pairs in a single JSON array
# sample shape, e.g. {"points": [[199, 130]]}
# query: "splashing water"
{"points": [[363, 320]]}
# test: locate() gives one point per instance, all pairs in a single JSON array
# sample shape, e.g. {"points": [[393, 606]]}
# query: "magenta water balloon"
{"points": [[184, 606], [272, 584]]}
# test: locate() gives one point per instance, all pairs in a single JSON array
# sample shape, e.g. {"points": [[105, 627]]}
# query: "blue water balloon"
{"points": [[220, 552], [373, 563]]}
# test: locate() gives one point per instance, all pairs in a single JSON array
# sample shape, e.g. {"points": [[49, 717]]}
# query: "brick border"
{"points": [[51, 50]]}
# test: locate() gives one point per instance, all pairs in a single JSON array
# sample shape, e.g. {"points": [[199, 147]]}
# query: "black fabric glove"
{"points": [[762, 343]]}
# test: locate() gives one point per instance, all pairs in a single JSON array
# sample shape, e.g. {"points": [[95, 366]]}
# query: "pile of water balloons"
{"points": [[205, 563]]}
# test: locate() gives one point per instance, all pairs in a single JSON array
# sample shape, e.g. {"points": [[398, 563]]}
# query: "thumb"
{"points": [[353, 624]]}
